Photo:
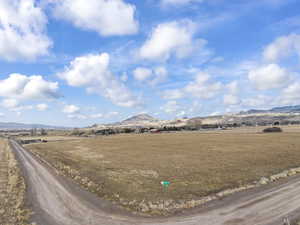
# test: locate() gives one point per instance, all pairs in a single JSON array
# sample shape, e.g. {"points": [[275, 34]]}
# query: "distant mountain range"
{"points": [[284, 109], [145, 120], [283, 115], [23, 126]]}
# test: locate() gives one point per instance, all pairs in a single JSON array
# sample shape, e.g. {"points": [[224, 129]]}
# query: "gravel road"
{"points": [[56, 200]]}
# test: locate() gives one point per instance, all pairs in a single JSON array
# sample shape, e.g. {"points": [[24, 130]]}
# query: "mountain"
{"points": [[284, 109], [23, 126], [139, 119], [283, 115]]}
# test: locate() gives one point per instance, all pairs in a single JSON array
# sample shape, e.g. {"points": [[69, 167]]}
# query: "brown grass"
{"points": [[12, 189], [128, 169]]}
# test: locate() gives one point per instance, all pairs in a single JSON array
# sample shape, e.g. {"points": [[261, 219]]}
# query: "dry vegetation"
{"points": [[12, 189], [128, 169], [50, 138]]}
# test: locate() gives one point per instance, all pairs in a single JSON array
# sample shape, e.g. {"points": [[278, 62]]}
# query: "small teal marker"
{"points": [[165, 184]]}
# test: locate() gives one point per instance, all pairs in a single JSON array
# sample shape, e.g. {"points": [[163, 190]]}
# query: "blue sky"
{"points": [[80, 62]]}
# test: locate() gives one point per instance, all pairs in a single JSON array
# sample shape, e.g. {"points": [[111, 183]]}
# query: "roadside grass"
{"points": [[12, 189], [128, 169]]}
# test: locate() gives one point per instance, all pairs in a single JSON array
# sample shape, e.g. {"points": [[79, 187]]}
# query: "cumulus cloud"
{"points": [[233, 87], [113, 17], [71, 109], [152, 76], [257, 101], [160, 75], [24, 87], [14, 105], [22, 30], [172, 38], [282, 47], [142, 74], [201, 87], [171, 107], [290, 94], [230, 99], [269, 77], [173, 94], [10, 103], [92, 72], [42, 107]]}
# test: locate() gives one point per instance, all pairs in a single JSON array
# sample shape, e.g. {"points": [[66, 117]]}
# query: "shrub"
{"points": [[272, 129]]}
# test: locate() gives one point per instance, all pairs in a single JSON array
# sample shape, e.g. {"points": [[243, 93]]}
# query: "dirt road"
{"points": [[58, 201]]}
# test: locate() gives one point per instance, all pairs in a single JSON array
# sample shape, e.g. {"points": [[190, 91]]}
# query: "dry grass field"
{"points": [[12, 189], [50, 138], [128, 169]]}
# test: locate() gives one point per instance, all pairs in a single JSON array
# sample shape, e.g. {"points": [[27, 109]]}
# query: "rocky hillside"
{"points": [[139, 119]]}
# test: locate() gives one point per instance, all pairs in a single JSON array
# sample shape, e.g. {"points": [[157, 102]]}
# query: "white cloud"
{"points": [[113, 17], [172, 38], [269, 77], [23, 87], [112, 114], [160, 75], [291, 94], [92, 72], [181, 113], [96, 116], [231, 99], [152, 76], [71, 109], [77, 116], [22, 30], [173, 94], [257, 101], [171, 107], [14, 105], [10, 103], [42, 107], [202, 88], [142, 74], [233, 87], [282, 47]]}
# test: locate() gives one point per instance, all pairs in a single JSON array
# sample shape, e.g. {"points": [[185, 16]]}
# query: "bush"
{"points": [[272, 129]]}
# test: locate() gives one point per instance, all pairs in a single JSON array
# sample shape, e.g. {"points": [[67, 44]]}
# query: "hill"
{"points": [[139, 119]]}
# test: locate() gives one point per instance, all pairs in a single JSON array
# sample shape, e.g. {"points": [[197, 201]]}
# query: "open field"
{"points": [[128, 169], [12, 189], [50, 138]]}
